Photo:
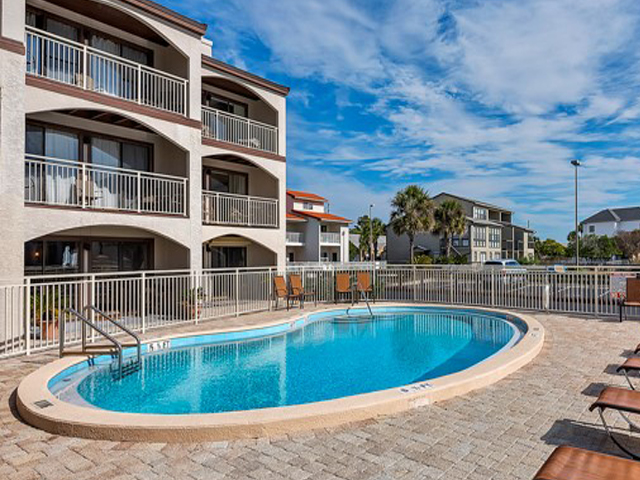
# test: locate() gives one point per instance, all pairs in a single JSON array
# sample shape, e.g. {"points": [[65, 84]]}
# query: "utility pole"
{"points": [[576, 164], [372, 256]]}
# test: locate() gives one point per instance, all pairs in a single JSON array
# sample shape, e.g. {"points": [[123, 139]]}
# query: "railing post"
{"points": [[85, 67], [493, 288], [143, 301], [249, 215], [85, 185], [185, 197], [92, 301], [139, 92], [413, 280], [237, 292], [27, 316], [139, 188]]}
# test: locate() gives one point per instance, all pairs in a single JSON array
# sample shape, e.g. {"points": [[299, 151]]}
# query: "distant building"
{"points": [[611, 221], [382, 245], [314, 234], [490, 235]]}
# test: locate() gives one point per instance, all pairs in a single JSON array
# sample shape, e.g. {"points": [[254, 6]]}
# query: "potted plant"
{"points": [[193, 301], [46, 305]]}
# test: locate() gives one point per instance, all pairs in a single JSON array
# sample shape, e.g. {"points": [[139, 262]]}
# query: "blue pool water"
{"points": [[324, 359]]}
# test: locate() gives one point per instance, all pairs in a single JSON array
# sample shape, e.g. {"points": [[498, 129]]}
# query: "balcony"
{"points": [[237, 130], [329, 238], [59, 59], [241, 210], [63, 183], [295, 238]]}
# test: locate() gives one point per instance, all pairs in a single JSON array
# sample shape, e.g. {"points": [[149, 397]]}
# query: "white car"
{"points": [[511, 272]]}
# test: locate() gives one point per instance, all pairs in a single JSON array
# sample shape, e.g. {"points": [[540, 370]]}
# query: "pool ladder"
{"points": [[364, 297], [114, 347]]}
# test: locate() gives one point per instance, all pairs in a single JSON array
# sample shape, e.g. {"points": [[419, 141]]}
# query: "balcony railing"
{"points": [[230, 128], [57, 58], [329, 238], [295, 238], [51, 181], [241, 210]]}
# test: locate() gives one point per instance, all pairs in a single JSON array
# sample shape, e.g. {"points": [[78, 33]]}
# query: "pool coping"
{"points": [[38, 406]]}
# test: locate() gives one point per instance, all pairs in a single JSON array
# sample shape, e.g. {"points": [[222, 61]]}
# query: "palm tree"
{"points": [[450, 220], [412, 213], [363, 228], [378, 229]]}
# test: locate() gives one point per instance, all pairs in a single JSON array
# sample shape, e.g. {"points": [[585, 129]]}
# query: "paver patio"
{"points": [[501, 432]]}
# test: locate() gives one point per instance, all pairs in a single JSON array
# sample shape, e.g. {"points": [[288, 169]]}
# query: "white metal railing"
{"points": [[230, 128], [31, 312], [242, 210], [52, 181], [56, 58], [329, 238], [295, 238]]}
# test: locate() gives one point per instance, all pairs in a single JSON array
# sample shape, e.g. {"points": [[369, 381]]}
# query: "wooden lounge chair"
{"points": [[295, 282], [630, 365], [281, 291], [568, 463], [632, 298], [343, 285], [624, 402], [365, 285]]}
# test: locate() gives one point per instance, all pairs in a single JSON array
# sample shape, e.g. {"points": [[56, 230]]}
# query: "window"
{"points": [[494, 237], [307, 206], [120, 154], [224, 181], [224, 104], [592, 229], [52, 142], [334, 256], [291, 257], [228, 257], [479, 213], [483, 257], [120, 256], [479, 236]]}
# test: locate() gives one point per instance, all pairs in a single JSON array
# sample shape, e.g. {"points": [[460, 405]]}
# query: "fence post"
{"points": [[139, 92], [85, 183], [143, 301], [27, 318], [237, 292], [270, 288], [92, 300], [85, 70], [596, 295], [139, 189], [185, 197], [493, 288], [413, 281]]}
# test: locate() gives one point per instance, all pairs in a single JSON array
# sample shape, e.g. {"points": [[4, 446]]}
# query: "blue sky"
{"points": [[489, 99]]}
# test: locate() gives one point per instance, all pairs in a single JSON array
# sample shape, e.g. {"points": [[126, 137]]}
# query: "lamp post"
{"points": [[371, 254], [576, 164]]}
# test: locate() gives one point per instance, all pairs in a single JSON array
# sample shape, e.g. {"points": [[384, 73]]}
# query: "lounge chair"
{"points": [[624, 402], [295, 281], [365, 285], [343, 285], [282, 292], [568, 463], [632, 298], [630, 365]]}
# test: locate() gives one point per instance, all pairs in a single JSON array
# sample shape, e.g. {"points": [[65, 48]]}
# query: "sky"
{"points": [[489, 99]]}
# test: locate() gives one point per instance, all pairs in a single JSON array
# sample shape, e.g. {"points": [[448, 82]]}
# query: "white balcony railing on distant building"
{"points": [[295, 238], [242, 210], [56, 58], [329, 238], [52, 181], [230, 128]]}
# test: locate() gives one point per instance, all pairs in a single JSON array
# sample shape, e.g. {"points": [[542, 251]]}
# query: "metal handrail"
{"points": [[125, 329], [363, 295], [86, 321]]}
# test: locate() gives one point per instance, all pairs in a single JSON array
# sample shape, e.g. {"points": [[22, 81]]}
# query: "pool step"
{"points": [[128, 368]]}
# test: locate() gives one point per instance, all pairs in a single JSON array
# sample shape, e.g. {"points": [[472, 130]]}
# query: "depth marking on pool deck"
{"points": [[157, 346], [418, 387]]}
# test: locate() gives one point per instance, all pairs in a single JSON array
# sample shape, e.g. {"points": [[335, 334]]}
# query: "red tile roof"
{"points": [[306, 195], [295, 218], [327, 217]]}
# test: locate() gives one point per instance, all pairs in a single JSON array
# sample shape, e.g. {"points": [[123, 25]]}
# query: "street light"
{"points": [[576, 164], [371, 254]]}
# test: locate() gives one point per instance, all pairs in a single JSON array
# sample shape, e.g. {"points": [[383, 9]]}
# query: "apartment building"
{"points": [[490, 234], [125, 146], [314, 234]]}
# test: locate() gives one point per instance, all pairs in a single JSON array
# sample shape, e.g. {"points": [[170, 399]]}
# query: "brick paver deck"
{"points": [[501, 432]]}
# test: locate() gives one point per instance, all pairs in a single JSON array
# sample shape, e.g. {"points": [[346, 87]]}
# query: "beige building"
{"points": [[125, 146], [490, 235], [314, 234]]}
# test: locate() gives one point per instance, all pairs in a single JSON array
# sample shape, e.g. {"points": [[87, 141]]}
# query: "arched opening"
{"points": [[235, 251], [233, 113], [238, 192], [103, 249], [105, 49], [101, 160]]}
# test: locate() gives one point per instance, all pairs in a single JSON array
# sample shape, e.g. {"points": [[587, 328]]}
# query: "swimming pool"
{"points": [[324, 356]]}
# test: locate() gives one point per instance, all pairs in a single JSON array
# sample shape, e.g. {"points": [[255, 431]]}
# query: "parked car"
{"points": [[511, 272]]}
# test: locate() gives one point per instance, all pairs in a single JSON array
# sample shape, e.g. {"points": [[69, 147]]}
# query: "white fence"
{"points": [[230, 128], [242, 210], [62, 60], [30, 313], [52, 181]]}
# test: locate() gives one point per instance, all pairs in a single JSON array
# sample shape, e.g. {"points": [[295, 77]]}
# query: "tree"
{"points": [[550, 249], [363, 228], [412, 212], [450, 220], [593, 247], [629, 244], [378, 229]]}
